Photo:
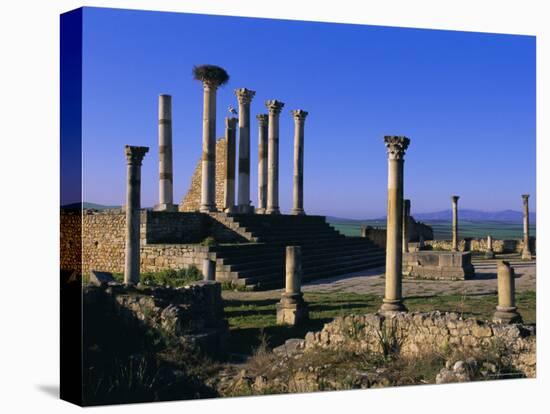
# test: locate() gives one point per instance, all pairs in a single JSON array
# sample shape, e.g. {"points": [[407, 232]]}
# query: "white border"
{"points": [[29, 175]]}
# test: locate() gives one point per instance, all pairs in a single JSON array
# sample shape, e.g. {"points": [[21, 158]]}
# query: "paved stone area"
{"points": [[485, 281]]}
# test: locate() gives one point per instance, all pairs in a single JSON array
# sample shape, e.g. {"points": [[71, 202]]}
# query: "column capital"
{"points": [[299, 114], [454, 198], [231, 122], [262, 119], [244, 95], [525, 197], [274, 106], [396, 146], [134, 155]]}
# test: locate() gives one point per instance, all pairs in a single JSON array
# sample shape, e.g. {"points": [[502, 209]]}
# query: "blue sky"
{"points": [[466, 101]]}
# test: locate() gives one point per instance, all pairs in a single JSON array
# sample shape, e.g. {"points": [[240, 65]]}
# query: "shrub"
{"points": [[209, 241], [171, 277]]}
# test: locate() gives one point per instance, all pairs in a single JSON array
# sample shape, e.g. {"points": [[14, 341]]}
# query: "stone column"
{"points": [[526, 253], [209, 269], [166, 199], [230, 153], [262, 162], [292, 309], [506, 311], [208, 169], [134, 157], [396, 147], [406, 215], [274, 108], [245, 97], [489, 253], [298, 178], [454, 246]]}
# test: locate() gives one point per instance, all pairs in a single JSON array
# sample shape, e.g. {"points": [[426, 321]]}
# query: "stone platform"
{"points": [[438, 265]]}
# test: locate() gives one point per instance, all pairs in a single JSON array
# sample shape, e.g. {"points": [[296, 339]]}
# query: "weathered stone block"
{"points": [[438, 265]]}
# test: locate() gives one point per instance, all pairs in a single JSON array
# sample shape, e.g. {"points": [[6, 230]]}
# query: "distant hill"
{"points": [[508, 216], [87, 205]]}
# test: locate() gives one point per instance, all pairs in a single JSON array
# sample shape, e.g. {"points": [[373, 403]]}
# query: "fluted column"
{"points": [[245, 97], [298, 178], [208, 179], [166, 185], [230, 153], [526, 252], [396, 147], [454, 246], [274, 107], [506, 311], [406, 215], [262, 162], [134, 158]]}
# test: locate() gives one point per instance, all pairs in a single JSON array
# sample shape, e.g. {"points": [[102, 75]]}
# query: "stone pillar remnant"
{"points": [[209, 269], [489, 253], [406, 215], [506, 311], [166, 185], [230, 154], [262, 162], [274, 107], [208, 179], [245, 97], [526, 252], [292, 310], [396, 147], [454, 246], [298, 178], [134, 158]]}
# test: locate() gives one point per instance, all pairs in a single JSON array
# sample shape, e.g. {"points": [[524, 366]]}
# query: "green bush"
{"points": [[209, 241], [171, 277]]}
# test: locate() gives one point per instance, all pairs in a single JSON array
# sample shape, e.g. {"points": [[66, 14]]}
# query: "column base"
{"points": [[489, 254], [526, 255], [389, 306], [230, 210], [165, 207], [211, 208], [260, 210], [298, 212], [245, 209], [273, 210], [292, 309], [507, 315]]}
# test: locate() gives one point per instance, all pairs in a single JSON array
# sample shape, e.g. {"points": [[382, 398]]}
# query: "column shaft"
{"points": [[298, 178], [208, 179], [229, 184], [454, 246], [274, 108], [526, 252], [262, 162], [406, 215], [245, 97], [166, 198], [134, 157]]}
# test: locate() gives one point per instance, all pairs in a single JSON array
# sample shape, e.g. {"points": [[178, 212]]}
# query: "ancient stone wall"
{"points": [[378, 236], [96, 240], [418, 333], [192, 200], [480, 245]]}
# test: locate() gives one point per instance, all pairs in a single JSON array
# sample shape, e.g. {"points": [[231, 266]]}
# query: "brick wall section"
{"points": [[480, 245], [168, 240], [425, 332], [192, 200]]}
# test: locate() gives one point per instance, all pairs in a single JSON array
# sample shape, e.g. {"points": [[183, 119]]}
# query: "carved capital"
{"points": [[244, 96], [454, 199], [299, 114], [396, 146], [231, 122], [274, 106], [262, 119], [210, 85], [134, 155], [525, 197]]}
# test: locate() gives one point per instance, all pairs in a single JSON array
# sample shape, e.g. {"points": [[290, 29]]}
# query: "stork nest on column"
{"points": [[211, 74]]}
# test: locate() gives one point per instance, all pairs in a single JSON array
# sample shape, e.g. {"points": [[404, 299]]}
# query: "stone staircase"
{"points": [[260, 264]]}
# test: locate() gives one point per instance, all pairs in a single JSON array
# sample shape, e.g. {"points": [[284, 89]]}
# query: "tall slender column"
{"points": [[406, 215], [245, 97], [262, 162], [274, 107], [208, 179], [526, 252], [230, 153], [166, 198], [454, 246], [298, 179], [506, 311], [134, 157], [396, 147]]}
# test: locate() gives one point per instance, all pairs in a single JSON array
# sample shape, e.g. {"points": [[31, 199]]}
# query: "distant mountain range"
{"points": [[87, 205], [509, 216]]}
